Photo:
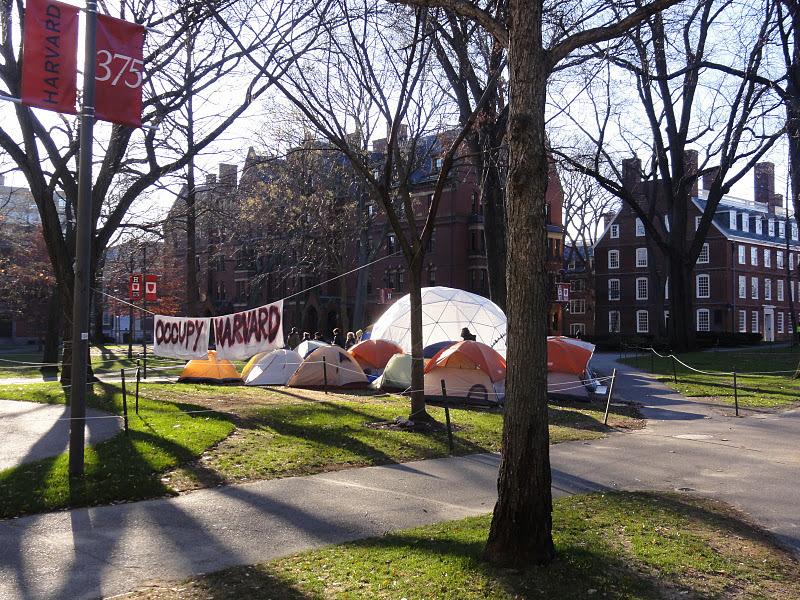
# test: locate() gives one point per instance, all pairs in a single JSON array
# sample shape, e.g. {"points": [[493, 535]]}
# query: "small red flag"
{"points": [[118, 88], [50, 56], [150, 287]]}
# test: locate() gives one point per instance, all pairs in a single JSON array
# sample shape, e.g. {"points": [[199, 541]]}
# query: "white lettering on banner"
{"points": [[245, 334], [179, 337]]}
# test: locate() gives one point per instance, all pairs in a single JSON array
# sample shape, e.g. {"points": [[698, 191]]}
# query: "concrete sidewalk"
{"points": [[103, 551]]}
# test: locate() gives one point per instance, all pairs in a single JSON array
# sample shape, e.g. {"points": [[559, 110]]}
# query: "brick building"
{"points": [[742, 279]]}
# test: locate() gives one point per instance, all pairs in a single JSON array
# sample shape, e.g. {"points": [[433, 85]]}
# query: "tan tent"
{"points": [[210, 370], [341, 369]]}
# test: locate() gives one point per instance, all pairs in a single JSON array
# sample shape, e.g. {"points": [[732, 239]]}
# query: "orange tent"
{"points": [[210, 370], [568, 355], [468, 355], [374, 354]]}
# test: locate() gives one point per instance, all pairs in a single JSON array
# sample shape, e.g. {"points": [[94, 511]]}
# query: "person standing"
{"points": [[293, 341], [338, 338]]}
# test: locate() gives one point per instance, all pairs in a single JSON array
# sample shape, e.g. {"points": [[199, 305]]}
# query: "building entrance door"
{"points": [[769, 329]]}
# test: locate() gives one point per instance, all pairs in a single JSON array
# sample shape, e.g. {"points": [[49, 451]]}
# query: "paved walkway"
{"points": [[103, 551]]}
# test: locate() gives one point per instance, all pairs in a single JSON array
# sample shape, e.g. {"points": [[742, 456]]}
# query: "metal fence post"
{"points": [[447, 415], [610, 391], [124, 402], [325, 373], [735, 393]]}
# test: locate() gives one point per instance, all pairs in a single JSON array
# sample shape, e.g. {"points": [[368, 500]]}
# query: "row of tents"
{"points": [[468, 370]]}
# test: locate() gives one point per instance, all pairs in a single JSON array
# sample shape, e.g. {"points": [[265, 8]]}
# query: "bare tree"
{"points": [[130, 161]]}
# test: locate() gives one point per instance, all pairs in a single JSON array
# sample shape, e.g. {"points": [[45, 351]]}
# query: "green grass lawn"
{"points": [[246, 434], [612, 546], [763, 377]]}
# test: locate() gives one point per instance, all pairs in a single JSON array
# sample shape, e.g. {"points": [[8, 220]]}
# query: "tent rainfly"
{"points": [[210, 371], [339, 368], [274, 368], [396, 376], [374, 354], [472, 372]]}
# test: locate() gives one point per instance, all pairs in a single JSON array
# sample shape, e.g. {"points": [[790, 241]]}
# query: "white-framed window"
{"points": [[641, 288], [768, 258], [697, 222], [771, 228], [754, 288], [759, 226], [613, 321], [666, 319], [577, 307], [613, 289], [703, 258], [577, 285], [703, 320], [780, 322], [642, 321], [577, 329], [614, 231], [703, 286], [781, 229], [745, 222], [639, 228], [742, 321], [779, 290], [754, 322], [768, 289], [742, 286], [666, 222], [754, 256], [794, 231], [732, 219], [779, 259], [742, 254], [666, 288], [613, 259], [641, 257]]}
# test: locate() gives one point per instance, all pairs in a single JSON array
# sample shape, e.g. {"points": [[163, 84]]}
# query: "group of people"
{"points": [[293, 340]]}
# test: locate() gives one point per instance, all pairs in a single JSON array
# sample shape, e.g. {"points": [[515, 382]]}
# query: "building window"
{"points": [[639, 228], [697, 222], [781, 229], [577, 329], [732, 219], [390, 245], [703, 258], [666, 319], [742, 250], [780, 322], [241, 290], [703, 321], [431, 276], [642, 321], [754, 288], [221, 262], [641, 288], [666, 288], [703, 286], [754, 256], [577, 307], [779, 291], [767, 258], [779, 259], [759, 226], [613, 259], [577, 285], [742, 321], [641, 257], [742, 286], [745, 222], [771, 228], [614, 231], [432, 244], [754, 322], [613, 321], [221, 290], [768, 289], [400, 281], [613, 289], [794, 231]]}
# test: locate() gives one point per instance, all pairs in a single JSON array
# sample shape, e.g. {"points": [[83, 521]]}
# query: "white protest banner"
{"points": [[245, 334], [180, 337]]}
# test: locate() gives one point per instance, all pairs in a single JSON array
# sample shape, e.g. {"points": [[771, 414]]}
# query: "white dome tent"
{"points": [[445, 311]]}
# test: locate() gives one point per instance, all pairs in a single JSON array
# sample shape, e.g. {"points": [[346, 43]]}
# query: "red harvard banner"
{"points": [[118, 91], [151, 287], [50, 56], [135, 287]]}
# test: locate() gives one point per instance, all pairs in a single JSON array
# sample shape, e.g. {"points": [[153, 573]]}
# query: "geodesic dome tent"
{"points": [[445, 311]]}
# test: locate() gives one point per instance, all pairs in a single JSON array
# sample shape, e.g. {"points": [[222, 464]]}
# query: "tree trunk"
{"points": [[52, 335], [418, 412], [681, 317], [494, 229], [520, 534]]}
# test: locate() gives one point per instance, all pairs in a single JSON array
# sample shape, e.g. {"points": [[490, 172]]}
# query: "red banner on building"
{"points": [[563, 292], [50, 56], [135, 287], [150, 287], [118, 88]]}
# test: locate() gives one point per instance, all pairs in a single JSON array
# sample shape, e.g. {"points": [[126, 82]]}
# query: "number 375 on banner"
{"points": [[118, 87]]}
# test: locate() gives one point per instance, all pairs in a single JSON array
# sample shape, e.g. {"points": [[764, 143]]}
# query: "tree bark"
{"points": [[418, 412], [52, 335], [520, 533]]}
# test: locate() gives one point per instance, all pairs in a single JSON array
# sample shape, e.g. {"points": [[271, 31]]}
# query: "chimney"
{"points": [[211, 180], [632, 174], [690, 169], [708, 178], [607, 218], [764, 184], [227, 175]]}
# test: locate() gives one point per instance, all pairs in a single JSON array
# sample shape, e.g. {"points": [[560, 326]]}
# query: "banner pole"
{"points": [[83, 243]]}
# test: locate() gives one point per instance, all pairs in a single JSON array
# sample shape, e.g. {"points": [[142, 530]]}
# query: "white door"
{"points": [[769, 329]]}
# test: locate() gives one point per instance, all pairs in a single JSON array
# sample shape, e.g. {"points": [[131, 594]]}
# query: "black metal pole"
{"points": [[447, 416], [325, 373], [610, 391], [735, 393], [83, 254], [138, 370], [674, 371], [144, 308], [124, 401]]}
